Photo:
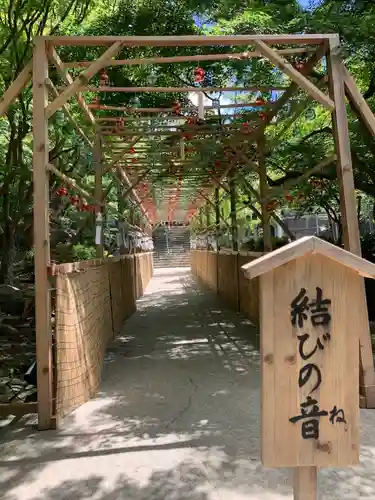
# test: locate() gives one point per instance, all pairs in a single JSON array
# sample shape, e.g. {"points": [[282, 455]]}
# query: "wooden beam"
{"points": [[348, 206], [98, 166], [165, 90], [236, 56], [119, 156], [295, 75], [83, 79], [188, 40], [16, 88], [170, 110], [65, 108], [55, 59], [68, 180], [358, 103], [344, 163], [42, 235]]}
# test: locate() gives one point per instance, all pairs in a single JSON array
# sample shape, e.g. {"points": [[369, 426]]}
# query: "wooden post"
{"points": [[348, 205], [121, 209], [98, 163], [263, 191], [41, 235], [233, 210], [311, 312], [217, 216], [305, 483], [201, 105]]}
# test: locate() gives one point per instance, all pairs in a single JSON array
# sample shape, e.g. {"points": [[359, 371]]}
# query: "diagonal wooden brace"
{"points": [[83, 79], [295, 75]]}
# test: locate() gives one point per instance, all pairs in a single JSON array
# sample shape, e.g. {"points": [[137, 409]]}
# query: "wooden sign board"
{"points": [[311, 310]]}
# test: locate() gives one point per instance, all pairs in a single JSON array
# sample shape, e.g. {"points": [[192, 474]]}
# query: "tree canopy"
{"points": [[305, 142]]}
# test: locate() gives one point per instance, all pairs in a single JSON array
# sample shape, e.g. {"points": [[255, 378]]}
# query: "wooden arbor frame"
{"points": [[45, 52]]}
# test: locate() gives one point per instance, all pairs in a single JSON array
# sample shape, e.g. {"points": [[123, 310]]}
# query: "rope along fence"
{"points": [[93, 299]]}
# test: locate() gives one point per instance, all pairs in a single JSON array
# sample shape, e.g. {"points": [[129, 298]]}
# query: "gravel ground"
{"points": [[177, 417]]}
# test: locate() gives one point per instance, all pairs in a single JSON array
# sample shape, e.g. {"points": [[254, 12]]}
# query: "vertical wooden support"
{"points": [[233, 210], [41, 235], [121, 210], [263, 191], [200, 105], [305, 483], [98, 163], [217, 216], [348, 204]]}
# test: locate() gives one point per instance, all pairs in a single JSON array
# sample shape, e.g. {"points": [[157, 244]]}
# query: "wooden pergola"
{"points": [[111, 144]]}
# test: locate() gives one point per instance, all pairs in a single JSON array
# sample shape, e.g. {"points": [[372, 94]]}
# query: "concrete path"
{"points": [[177, 417]]}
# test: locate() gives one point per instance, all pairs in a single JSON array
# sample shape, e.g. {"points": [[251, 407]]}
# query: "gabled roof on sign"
{"points": [[304, 246]]}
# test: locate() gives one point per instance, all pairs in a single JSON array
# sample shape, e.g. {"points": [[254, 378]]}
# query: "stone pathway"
{"points": [[177, 417]]}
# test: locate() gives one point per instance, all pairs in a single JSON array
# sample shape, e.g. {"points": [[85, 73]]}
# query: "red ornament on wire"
{"points": [[260, 101], [299, 65], [104, 79], [176, 107], [199, 75]]}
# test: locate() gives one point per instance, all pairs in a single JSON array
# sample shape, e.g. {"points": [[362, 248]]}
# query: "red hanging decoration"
{"points": [[199, 75], [74, 200], [62, 191], [176, 107], [299, 65], [260, 101], [217, 163], [132, 150], [263, 116], [289, 197], [104, 79], [120, 124]]}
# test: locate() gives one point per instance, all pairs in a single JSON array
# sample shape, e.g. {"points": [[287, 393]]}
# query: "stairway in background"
{"points": [[171, 246]]}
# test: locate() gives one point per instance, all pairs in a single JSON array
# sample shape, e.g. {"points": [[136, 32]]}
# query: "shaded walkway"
{"points": [[177, 417]]}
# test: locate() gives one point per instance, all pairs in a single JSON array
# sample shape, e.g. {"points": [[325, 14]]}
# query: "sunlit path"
{"points": [[177, 416]]}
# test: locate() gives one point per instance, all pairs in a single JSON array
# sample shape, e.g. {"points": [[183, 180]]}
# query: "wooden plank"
{"points": [[295, 75], [70, 117], [188, 40], [305, 483], [120, 155], [16, 88], [168, 110], [68, 180], [234, 56], [348, 206], [357, 102], [83, 79], [344, 162], [55, 58], [286, 384], [184, 89], [42, 235]]}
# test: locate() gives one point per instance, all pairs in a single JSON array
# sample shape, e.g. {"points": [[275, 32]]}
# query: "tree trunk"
{"points": [[8, 248]]}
